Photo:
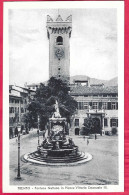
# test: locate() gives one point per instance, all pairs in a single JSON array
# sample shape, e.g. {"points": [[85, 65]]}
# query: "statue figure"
{"points": [[71, 143], [57, 147], [45, 143], [56, 114]]}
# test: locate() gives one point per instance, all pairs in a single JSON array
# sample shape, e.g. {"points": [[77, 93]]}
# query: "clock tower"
{"points": [[59, 33]]}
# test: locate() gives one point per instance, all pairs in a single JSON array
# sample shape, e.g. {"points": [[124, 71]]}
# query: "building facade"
{"points": [[98, 102], [19, 99], [14, 112], [33, 87]]}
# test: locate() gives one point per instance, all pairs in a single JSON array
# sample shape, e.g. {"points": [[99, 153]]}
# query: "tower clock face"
{"points": [[59, 52]]}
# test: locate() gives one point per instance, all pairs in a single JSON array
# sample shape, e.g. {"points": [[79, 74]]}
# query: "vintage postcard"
{"points": [[63, 97]]}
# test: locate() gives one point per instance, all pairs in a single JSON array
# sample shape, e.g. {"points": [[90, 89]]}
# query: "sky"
{"points": [[93, 43]]}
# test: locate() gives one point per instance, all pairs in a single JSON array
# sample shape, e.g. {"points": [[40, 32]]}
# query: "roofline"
{"points": [[25, 88], [79, 94], [15, 96], [20, 91]]}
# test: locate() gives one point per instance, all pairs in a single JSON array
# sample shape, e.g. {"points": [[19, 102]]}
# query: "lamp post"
{"points": [[38, 130], [18, 173]]}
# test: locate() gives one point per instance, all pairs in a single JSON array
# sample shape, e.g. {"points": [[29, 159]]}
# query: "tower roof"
{"points": [[59, 19], [59, 25]]}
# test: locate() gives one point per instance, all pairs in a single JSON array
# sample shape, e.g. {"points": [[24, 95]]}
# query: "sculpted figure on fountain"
{"points": [[56, 113]]}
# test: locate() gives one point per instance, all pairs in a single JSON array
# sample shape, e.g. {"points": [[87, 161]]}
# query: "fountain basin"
{"points": [[35, 158], [58, 152]]}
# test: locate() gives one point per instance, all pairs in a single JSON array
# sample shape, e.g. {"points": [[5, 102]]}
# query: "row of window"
{"points": [[16, 109], [113, 122], [104, 95], [13, 120], [98, 105], [14, 101], [17, 101], [34, 87]]}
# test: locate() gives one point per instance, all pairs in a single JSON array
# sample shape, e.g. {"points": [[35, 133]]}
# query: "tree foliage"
{"points": [[114, 131], [91, 126], [43, 103]]}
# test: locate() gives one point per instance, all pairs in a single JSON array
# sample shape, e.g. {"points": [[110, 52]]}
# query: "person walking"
{"points": [[95, 136], [44, 134], [87, 141], [16, 132]]}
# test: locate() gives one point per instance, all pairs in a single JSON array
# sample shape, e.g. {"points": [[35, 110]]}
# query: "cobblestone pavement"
{"points": [[101, 170]]}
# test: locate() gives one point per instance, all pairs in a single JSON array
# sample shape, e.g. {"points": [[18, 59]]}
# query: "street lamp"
{"points": [[38, 130], [19, 131]]}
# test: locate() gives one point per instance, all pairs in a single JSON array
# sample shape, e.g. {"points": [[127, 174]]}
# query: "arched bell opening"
{"points": [[59, 40]]}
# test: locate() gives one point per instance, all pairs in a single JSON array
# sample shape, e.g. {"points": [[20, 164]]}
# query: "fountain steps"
{"points": [[70, 155], [49, 159], [58, 157], [55, 158], [58, 161]]}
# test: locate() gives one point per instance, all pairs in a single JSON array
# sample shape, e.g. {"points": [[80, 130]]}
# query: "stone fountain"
{"points": [[56, 149]]}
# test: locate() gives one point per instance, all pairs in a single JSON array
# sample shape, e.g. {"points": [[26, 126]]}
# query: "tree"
{"points": [[91, 126], [43, 104], [114, 131]]}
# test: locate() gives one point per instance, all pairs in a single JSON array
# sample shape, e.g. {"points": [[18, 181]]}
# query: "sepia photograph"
{"points": [[63, 97]]}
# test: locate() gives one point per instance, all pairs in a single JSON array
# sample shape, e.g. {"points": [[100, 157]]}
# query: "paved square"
{"points": [[101, 170]]}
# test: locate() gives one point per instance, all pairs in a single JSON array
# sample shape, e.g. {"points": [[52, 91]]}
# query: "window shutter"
{"points": [[117, 122], [110, 122], [109, 105], [100, 105], [116, 105]]}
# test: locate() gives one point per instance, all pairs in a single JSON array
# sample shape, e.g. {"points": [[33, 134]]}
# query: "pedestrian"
{"points": [[44, 134], [95, 136], [87, 141], [11, 133], [16, 132], [84, 137]]}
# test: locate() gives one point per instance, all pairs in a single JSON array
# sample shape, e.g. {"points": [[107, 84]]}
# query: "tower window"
{"points": [[58, 68], [76, 122], [59, 75], [59, 40]]}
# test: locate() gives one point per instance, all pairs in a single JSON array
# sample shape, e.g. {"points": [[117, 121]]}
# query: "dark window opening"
{"points": [[113, 95], [85, 120], [77, 131], [22, 110], [114, 122], [59, 40], [76, 122], [105, 122]]}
